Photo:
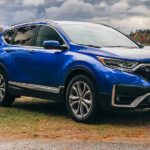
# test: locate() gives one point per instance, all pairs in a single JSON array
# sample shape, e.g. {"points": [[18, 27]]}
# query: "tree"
{"points": [[142, 36]]}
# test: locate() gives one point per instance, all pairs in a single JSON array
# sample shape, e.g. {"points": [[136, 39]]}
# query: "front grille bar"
{"points": [[134, 103], [140, 70], [140, 65]]}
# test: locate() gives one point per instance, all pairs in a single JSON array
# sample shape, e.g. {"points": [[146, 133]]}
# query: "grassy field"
{"points": [[34, 118]]}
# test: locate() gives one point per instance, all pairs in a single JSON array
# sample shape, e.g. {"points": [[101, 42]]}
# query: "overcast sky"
{"points": [[126, 15]]}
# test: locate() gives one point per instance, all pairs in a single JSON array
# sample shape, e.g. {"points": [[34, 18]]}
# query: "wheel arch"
{"points": [[2, 67], [77, 71]]}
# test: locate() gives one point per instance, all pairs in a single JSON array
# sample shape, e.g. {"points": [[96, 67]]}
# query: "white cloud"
{"points": [[33, 2], [132, 23], [141, 10], [124, 14], [119, 7], [71, 9], [22, 16], [101, 5], [2, 2], [126, 25]]}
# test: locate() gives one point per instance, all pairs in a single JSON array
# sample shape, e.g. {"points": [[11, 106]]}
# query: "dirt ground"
{"points": [[39, 119]]}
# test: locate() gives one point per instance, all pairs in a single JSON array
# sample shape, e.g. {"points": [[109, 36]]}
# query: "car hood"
{"points": [[136, 54]]}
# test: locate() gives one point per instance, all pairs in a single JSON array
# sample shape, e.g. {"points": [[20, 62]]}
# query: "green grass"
{"points": [[34, 118]]}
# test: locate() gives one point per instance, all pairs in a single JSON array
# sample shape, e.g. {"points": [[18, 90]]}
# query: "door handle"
{"points": [[8, 50], [32, 51]]}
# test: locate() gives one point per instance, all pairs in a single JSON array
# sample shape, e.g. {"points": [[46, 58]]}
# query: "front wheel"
{"points": [[5, 98], [81, 98]]}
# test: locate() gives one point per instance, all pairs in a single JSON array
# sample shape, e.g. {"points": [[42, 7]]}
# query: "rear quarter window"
{"points": [[24, 36], [8, 36]]}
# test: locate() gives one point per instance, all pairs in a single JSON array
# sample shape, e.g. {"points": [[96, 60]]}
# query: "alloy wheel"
{"points": [[2, 87], [80, 99]]}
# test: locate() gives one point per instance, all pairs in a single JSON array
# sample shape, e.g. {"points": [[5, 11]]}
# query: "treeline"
{"points": [[1, 29], [142, 36]]}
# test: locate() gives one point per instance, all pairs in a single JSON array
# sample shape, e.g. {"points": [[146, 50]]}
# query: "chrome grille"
{"points": [[143, 71]]}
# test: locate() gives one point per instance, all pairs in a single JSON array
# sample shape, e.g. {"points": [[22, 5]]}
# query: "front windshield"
{"points": [[96, 35]]}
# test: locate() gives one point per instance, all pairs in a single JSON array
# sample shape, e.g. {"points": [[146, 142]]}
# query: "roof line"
{"points": [[35, 21]]}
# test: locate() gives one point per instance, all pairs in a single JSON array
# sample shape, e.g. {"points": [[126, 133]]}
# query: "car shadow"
{"points": [[41, 106], [138, 117], [125, 117]]}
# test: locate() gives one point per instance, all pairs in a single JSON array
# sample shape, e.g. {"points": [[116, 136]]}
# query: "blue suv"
{"points": [[88, 66]]}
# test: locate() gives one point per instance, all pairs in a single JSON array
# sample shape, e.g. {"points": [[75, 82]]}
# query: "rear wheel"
{"points": [[81, 98], [5, 98]]}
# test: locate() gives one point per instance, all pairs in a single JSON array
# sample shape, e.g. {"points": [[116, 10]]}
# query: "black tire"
{"points": [[5, 99], [82, 79]]}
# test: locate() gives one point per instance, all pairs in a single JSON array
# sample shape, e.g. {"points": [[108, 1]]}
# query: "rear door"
{"points": [[18, 53]]}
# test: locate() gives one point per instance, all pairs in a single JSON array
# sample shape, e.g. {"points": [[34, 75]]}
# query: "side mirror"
{"points": [[51, 45]]}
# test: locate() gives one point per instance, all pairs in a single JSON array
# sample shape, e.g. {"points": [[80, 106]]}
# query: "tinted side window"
{"points": [[47, 33], [24, 36], [8, 36]]}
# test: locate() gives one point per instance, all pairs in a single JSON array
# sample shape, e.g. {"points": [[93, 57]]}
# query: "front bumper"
{"points": [[120, 89], [126, 96]]}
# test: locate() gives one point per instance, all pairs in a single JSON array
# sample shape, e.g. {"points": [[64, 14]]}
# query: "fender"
{"points": [[87, 68], [83, 68]]}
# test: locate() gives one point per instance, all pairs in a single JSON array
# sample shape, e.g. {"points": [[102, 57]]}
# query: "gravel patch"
{"points": [[68, 145]]}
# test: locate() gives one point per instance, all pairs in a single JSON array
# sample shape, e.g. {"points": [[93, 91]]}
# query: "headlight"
{"points": [[118, 64]]}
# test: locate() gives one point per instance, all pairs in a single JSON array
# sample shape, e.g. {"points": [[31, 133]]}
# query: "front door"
{"points": [[46, 64]]}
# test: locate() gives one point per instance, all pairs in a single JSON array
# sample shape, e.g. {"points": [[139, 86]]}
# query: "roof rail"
{"points": [[34, 21]]}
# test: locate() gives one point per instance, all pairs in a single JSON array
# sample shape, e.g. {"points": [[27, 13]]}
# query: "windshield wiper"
{"points": [[120, 46], [90, 45], [140, 45]]}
